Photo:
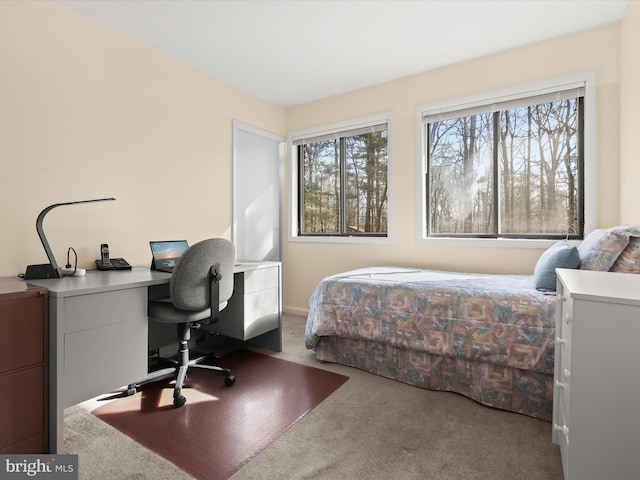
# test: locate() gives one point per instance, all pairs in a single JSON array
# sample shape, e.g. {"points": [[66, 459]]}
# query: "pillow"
{"points": [[560, 255], [629, 259], [601, 248]]}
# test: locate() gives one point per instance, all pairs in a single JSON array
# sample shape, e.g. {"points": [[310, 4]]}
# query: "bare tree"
{"points": [[536, 146]]}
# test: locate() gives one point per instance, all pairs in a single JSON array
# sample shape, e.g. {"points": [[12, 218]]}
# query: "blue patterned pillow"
{"points": [[560, 255]]}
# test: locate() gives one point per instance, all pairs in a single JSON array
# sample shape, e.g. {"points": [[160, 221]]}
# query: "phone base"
{"points": [[115, 264]]}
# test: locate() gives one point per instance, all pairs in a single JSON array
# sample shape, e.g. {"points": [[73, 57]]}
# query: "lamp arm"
{"points": [[43, 237]]}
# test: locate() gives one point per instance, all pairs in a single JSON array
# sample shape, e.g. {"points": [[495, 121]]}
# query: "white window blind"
{"points": [[503, 103], [351, 132]]}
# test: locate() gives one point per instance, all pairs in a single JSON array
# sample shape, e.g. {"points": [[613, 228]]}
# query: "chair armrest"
{"points": [[214, 289]]}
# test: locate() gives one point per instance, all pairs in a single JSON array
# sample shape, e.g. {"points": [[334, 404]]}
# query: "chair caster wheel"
{"points": [[179, 401], [230, 380]]}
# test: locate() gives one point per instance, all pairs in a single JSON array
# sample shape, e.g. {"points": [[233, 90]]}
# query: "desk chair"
{"points": [[200, 286]]}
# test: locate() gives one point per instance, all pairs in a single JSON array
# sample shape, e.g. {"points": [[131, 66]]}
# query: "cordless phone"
{"points": [[104, 255], [107, 263]]}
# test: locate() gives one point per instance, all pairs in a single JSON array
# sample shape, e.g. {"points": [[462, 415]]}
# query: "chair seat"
{"points": [[163, 311]]}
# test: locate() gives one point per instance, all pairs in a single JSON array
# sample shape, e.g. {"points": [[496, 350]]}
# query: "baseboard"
{"points": [[296, 311]]}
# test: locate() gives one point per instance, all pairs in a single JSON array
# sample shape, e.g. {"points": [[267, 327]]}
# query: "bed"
{"points": [[490, 337]]}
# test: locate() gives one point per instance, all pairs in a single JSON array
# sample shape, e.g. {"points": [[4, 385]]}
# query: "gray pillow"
{"points": [[560, 255]]}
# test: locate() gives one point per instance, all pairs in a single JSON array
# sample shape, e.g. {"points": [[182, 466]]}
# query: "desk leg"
{"points": [[56, 376]]}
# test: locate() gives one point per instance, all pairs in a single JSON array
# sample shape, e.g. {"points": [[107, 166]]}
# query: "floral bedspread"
{"points": [[497, 319]]}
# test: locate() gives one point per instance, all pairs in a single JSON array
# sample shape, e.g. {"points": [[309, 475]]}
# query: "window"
{"points": [[510, 167], [342, 182]]}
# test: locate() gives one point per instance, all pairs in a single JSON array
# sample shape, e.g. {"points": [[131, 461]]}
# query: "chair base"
{"points": [[179, 373], [178, 370]]}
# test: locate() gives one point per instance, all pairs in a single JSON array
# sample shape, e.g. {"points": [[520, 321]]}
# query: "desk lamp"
{"points": [[51, 269]]}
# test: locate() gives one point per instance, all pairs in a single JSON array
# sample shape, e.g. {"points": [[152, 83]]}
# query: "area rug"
{"points": [[221, 428]]}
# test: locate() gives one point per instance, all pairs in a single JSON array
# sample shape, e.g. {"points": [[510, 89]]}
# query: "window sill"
{"points": [[492, 242], [342, 240]]}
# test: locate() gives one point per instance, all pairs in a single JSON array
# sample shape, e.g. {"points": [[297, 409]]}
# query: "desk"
{"points": [[98, 332]]}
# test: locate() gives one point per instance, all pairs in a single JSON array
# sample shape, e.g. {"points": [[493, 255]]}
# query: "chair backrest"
{"points": [[189, 284]]}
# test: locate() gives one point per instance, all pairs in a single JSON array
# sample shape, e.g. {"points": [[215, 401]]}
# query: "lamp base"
{"points": [[41, 271]]}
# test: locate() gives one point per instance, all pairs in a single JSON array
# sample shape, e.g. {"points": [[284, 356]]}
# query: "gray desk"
{"points": [[98, 331]]}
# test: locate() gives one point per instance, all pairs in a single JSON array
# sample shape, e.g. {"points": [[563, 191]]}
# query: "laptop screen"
{"points": [[166, 253]]}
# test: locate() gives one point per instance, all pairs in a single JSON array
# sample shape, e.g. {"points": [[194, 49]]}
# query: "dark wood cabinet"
{"points": [[24, 324]]}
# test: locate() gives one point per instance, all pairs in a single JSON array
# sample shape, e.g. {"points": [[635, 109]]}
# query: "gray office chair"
{"points": [[200, 286]]}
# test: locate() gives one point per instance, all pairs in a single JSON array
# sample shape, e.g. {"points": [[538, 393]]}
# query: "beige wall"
{"points": [[595, 50], [629, 111], [87, 113]]}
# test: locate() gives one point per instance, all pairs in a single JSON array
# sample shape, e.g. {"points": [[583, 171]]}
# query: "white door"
{"points": [[257, 193]]}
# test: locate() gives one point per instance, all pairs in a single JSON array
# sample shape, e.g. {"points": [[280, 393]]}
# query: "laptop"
{"points": [[165, 254]]}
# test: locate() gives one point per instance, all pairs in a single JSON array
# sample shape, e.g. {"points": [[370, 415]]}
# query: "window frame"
{"points": [[584, 80], [294, 181]]}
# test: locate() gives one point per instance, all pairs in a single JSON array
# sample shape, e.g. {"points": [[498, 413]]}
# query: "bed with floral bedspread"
{"points": [[488, 337]]}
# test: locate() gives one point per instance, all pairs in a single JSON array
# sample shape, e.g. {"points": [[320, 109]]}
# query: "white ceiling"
{"points": [[294, 51]]}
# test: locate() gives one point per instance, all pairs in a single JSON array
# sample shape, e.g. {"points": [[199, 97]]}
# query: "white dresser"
{"points": [[596, 403]]}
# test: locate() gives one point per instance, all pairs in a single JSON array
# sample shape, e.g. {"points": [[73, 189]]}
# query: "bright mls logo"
{"points": [[51, 467]]}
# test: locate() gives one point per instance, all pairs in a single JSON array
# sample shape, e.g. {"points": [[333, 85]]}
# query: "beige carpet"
{"points": [[371, 427]]}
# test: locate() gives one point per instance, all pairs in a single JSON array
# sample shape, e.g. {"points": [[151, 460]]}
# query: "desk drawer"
{"points": [[99, 360], [261, 312], [250, 315], [105, 308], [260, 279], [22, 333], [21, 404]]}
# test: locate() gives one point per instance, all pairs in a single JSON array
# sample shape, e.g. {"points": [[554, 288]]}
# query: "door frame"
{"points": [[239, 126]]}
